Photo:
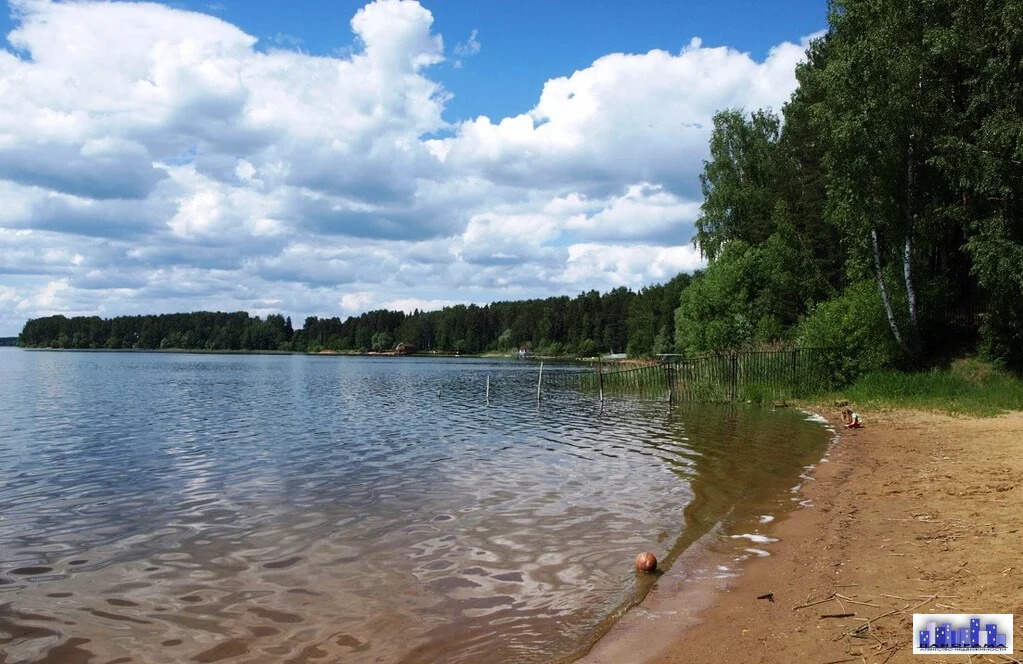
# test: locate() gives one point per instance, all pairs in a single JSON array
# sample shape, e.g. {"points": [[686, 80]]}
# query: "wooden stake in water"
{"points": [[600, 380], [667, 380], [539, 381], [488, 389]]}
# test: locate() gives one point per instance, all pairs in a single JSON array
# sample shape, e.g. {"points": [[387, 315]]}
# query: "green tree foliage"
{"points": [[761, 177], [201, 330], [803, 186], [980, 153], [651, 318], [920, 109], [872, 112], [741, 181], [899, 159], [504, 341], [997, 251], [759, 227], [382, 341], [710, 316], [750, 295], [584, 325], [854, 328]]}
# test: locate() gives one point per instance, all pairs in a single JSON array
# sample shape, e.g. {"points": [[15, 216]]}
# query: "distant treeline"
{"points": [[8, 341], [618, 321], [201, 330]]}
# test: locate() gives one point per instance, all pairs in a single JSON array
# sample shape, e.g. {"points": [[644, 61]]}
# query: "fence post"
{"points": [[667, 380], [600, 380], [795, 372], [735, 374]]}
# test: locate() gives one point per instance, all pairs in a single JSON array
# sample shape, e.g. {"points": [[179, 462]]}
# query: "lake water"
{"points": [[173, 507]]}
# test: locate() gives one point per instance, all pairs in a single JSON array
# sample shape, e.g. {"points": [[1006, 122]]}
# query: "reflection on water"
{"points": [[170, 508]]}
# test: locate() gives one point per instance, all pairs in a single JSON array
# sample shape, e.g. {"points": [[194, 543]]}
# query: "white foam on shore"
{"points": [[738, 554], [806, 475], [814, 417], [759, 539], [828, 426]]}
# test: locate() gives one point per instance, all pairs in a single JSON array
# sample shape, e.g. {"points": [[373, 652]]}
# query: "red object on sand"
{"points": [[646, 562]]}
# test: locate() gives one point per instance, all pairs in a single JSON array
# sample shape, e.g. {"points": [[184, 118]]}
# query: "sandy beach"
{"points": [[915, 513]]}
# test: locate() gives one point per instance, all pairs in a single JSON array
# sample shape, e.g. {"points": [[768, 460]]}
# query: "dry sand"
{"points": [[913, 513]]}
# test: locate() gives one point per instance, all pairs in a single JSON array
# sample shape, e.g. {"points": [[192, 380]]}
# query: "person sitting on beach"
{"points": [[850, 419]]}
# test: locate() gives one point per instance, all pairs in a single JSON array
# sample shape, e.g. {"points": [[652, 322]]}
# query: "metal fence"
{"points": [[758, 376]]}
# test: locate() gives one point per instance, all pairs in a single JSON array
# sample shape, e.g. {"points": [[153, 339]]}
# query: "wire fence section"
{"points": [[758, 376]]}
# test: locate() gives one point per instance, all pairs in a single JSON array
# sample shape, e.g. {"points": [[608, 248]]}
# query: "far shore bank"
{"points": [[345, 353], [180, 351], [914, 513]]}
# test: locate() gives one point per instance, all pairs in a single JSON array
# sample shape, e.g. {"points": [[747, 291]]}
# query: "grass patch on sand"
{"points": [[966, 387]]}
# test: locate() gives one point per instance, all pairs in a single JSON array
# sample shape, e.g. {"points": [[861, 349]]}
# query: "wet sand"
{"points": [[915, 513]]}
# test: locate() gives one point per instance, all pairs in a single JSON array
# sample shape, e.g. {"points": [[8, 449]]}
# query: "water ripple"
{"points": [[165, 508]]}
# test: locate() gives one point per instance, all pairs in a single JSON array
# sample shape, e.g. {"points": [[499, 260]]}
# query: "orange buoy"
{"points": [[646, 562]]}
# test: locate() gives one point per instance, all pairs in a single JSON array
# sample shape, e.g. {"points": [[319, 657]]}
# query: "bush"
{"points": [[759, 393], [967, 387], [586, 348], [382, 341], [553, 349], [855, 327], [998, 264]]}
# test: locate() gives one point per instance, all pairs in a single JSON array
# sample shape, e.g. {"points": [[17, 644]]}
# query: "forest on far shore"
{"points": [[620, 321], [879, 213]]}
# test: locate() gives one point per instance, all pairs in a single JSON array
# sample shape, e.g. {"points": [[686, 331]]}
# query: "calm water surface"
{"points": [[173, 508]]}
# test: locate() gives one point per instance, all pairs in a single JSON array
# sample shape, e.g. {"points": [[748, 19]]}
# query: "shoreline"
{"points": [[705, 570], [887, 531], [320, 353], [567, 359]]}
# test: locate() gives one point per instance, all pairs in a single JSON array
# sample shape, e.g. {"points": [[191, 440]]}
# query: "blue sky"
{"points": [[325, 158], [530, 41]]}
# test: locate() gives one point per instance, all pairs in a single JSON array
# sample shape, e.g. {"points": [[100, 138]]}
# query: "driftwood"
{"points": [[866, 624], [820, 601], [853, 601]]}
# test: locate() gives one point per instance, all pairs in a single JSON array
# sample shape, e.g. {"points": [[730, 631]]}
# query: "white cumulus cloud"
{"points": [[156, 159]]}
